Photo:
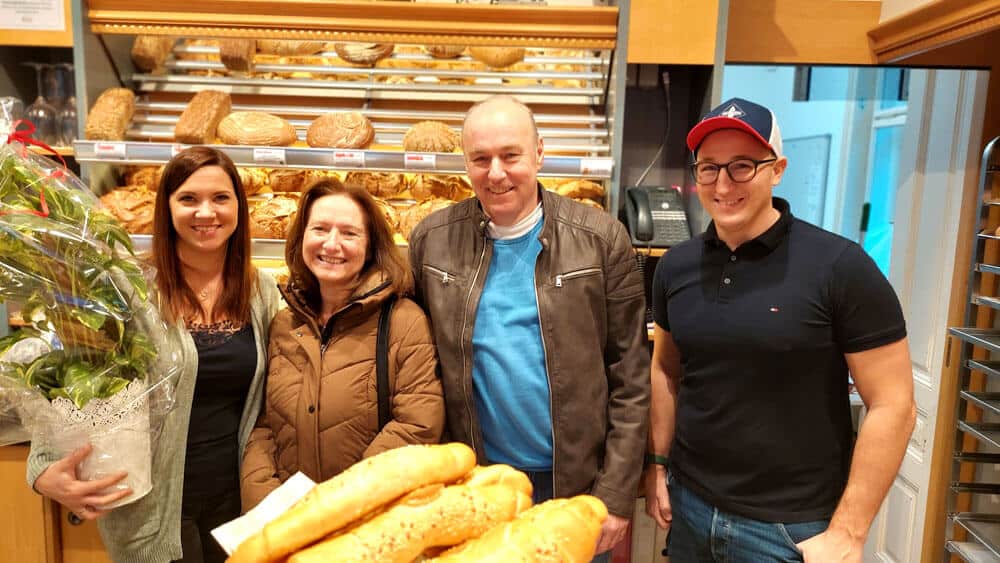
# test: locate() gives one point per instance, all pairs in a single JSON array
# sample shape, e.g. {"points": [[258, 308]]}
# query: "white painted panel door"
{"points": [[940, 155]]}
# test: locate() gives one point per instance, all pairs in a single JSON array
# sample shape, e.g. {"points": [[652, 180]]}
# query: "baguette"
{"points": [[110, 115], [201, 117], [432, 516], [362, 488], [289, 48], [564, 530]]}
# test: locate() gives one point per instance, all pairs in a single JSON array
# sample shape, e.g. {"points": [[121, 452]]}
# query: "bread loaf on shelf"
{"points": [[150, 51], [110, 115], [200, 120], [270, 218], [254, 179], [432, 516], [430, 136], [497, 57], [379, 184], [366, 54], [445, 51], [286, 48], [237, 54], [341, 130], [286, 179], [145, 176], [361, 489], [429, 186], [409, 218], [564, 530], [578, 189], [133, 207], [255, 128]]}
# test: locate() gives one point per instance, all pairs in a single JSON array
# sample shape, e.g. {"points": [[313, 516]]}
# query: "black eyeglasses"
{"points": [[739, 170]]}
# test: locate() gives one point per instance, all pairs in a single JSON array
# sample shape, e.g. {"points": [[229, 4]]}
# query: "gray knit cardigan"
{"points": [[149, 530]]}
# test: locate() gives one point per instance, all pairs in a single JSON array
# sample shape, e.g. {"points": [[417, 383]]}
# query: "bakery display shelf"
{"points": [[260, 249], [988, 268], [987, 235], [369, 89], [991, 368], [130, 152], [976, 488], [61, 151], [983, 528], [986, 401], [986, 337], [977, 457], [987, 432], [986, 301], [603, 60], [321, 70], [592, 121], [971, 552]]}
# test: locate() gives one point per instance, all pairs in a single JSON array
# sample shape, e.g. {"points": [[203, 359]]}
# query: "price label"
{"points": [[595, 166], [269, 156], [174, 149], [348, 158], [419, 161], [111, 151]]}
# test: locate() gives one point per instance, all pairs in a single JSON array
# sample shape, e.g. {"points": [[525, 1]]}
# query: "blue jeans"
{"points": [[541, 491], [703, 533]]}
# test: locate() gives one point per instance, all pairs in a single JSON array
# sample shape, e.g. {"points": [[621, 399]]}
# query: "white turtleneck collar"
{"points": [[516, 230]]}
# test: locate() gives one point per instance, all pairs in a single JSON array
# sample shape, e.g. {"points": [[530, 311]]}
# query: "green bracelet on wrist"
{"points": [[654, 459]]}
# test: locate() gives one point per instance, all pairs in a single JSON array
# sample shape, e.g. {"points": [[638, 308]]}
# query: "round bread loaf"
{"points": [[270, 219], [430, 136], [497, 57], [445, 51], [342, 130], [409, 218], [379, 184], [255, 128], [254, 179], [580, 189], [286, 180], [427, 186], [363, 53], [286, 48], [133, 207]]}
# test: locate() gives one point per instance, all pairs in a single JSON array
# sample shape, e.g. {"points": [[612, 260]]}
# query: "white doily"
{"points": [[118, 428]]}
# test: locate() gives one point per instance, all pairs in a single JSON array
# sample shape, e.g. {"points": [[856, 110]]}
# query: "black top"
{"points": [[763, 416], [227, 361]]}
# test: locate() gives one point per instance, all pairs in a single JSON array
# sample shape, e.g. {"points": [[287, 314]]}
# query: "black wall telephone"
{"points": [[655, 216]]}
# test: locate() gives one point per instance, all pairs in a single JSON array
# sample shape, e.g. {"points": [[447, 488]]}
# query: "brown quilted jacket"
{"points": [[321, 410]]}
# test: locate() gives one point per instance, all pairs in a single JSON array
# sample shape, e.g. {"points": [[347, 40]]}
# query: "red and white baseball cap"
{"points": [[740, 114]]}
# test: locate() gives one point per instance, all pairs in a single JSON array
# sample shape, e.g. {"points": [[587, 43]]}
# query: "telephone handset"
{"points": [[655, 216]]}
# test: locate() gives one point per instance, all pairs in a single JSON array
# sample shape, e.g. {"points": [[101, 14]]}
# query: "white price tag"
{"points": [[110, 151], [419, 161], [268, 155], [346, 158], [595, 166], [174, 149]]}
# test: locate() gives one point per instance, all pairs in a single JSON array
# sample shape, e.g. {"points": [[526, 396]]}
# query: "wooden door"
{"points": [[24, 535]]}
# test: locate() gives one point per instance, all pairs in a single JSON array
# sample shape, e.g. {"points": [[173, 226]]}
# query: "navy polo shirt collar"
{"points": [[770, 238]]}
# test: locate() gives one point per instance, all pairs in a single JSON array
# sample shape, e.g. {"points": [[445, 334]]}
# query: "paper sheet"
{"points": [[233, 533]]}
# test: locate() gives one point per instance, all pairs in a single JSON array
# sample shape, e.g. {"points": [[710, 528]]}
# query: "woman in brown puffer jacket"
{"points": [[321, 408]]}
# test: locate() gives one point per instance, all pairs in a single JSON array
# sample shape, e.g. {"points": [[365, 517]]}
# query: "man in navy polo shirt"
{"points": [[759, 321]]}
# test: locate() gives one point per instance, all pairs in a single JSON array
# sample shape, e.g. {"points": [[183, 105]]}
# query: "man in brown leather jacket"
{"points": [[538, 312]]}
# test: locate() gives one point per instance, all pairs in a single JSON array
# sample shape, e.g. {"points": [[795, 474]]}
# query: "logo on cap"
{"points": [[733, 111]]}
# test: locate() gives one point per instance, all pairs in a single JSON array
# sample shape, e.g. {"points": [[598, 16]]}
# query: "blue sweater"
{"points": [[510, 383]]}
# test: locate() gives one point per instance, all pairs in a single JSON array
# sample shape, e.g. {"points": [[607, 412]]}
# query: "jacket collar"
{"points": [[770, 238], [374, 288], [550, 204]]}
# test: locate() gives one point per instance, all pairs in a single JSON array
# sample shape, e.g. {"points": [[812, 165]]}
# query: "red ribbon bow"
{"points": [[23, 136]]}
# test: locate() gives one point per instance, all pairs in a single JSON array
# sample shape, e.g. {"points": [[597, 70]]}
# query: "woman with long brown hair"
{"points": [[220, 308], [321, 413]]}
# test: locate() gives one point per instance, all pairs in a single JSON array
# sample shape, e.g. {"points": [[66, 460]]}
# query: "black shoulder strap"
{"points": [[382, 362]]}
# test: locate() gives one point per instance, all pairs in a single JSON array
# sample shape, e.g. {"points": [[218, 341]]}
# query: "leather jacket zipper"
{"points": [[446, 278], [468, 369], [575, 274], [548, 380]]}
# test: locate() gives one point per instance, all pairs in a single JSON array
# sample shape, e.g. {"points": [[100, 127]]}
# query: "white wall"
{"points": [[771, 86]]}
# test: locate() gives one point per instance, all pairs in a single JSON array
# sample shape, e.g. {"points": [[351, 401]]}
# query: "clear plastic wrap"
{"points": [[94, 363]]}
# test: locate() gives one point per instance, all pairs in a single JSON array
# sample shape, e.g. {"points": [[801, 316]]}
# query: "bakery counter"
{"points": [[132, 152]]}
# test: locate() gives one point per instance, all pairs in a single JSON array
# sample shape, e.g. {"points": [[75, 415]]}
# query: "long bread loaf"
{"points": [[432, 516], [563, 530], [362, 488], [200, 119], [110, 115]]}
